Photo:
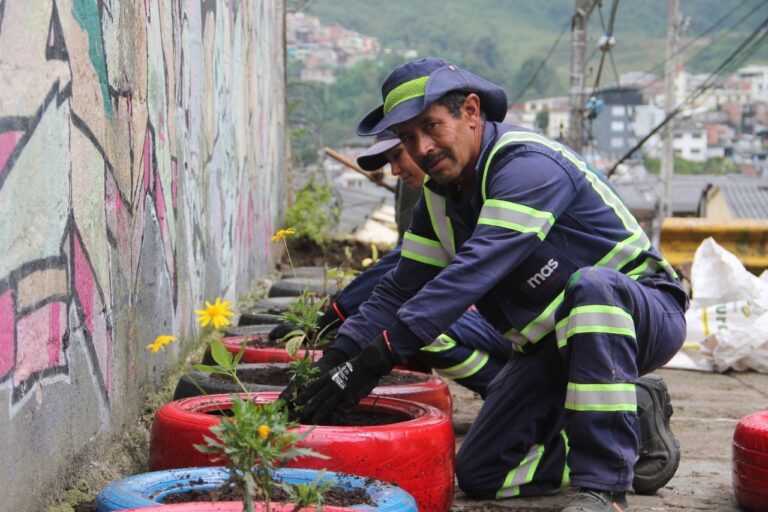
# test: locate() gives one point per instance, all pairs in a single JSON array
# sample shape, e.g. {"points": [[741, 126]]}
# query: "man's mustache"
{"points": [[427, 161]]}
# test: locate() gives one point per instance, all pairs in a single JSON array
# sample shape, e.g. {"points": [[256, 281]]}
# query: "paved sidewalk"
{"points": [[707, 408]]}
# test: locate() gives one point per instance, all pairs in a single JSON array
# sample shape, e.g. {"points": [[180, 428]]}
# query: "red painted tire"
{"points": [[750, 461], [279, 355], [416, 454], [260, 354], [432, 391]]}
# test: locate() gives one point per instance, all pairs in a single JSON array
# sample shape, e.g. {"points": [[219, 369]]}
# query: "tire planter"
{"points": [[251, 330], [149, 490], [432, 391], [259, 354], [416, 454], [278, 354], [750, 461], [295, 286], [266, 311]]}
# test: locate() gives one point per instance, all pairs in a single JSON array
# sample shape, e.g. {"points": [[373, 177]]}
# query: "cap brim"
{"points": [[376, 122], [374, 158], [493, 100]]}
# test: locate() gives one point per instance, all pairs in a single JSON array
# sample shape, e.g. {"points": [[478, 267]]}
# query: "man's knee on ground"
{"points": [[473, 479]]}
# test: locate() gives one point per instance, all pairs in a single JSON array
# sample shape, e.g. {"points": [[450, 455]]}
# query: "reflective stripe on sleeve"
{"points": [[467, 368], [601, 397], [424, 250], [442, 343], [517, 217]]}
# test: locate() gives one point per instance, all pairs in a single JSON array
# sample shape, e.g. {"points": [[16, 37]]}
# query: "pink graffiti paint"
{"points": [[160, 205], [84, 283], [147, 157], [7, 330], [54, 333], [8, 142], [36, 342]]}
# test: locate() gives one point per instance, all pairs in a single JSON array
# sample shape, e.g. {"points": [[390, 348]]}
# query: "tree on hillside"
{"points": [[545, 83]]}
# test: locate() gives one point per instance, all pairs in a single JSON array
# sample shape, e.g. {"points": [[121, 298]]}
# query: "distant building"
{"points": [[690, 141], [613, 130], [324, 48], [757, 77], [554, 109]]}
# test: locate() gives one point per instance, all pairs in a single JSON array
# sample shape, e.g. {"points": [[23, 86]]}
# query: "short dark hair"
{"points": [[454, 100]]}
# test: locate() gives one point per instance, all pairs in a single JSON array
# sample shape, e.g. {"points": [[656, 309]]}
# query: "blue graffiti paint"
{"points": [[87, 15]]}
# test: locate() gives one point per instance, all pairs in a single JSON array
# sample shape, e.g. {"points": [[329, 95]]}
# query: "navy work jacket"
{"points": [[538, 213]]}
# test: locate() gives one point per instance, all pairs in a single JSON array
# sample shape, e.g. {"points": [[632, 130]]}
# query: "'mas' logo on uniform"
{"points": [[542, 274]]}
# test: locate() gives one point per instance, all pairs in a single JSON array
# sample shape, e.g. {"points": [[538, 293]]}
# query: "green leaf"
{"points": [[239, 356], [220, 354], [293, 345], [210, 369]]}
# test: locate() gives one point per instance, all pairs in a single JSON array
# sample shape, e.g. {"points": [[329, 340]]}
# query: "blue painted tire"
{"points": [[147, 489]]}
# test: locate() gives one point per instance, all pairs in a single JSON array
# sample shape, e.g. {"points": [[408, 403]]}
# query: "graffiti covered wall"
{"points": [[141, 154]]}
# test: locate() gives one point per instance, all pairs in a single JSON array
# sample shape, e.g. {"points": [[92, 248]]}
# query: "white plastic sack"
{"points": [[728, 317]]}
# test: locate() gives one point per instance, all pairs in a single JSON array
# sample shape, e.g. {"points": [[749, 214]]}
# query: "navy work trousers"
{"points": [[525, 432]]}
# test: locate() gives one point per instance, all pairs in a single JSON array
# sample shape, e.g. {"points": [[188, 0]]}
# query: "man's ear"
{"points": [[471, 109]]}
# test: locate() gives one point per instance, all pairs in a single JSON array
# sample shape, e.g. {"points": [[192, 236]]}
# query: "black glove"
{"points": [[331, 318], [330, 359], [344, 386]]}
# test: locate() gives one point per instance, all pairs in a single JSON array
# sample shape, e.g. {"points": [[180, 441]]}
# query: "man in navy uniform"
{"points": [[527, 230], [471, 352]]}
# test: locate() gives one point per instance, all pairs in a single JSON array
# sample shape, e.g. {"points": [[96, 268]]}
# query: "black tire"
{"points": [[293, 287], [250, 329], [313, 272]]}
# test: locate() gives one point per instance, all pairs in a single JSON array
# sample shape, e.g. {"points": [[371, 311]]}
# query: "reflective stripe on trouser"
{"points": [[539, 394]]}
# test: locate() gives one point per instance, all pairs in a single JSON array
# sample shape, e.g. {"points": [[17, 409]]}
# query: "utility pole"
{"points": [[578, 61], [667, 151]]}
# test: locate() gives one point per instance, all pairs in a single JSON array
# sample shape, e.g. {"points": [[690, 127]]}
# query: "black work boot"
{"points": [[590, 500], [659, 450]]}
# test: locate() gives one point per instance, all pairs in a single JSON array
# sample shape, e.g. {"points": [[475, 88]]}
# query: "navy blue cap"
{"points": [[414, 86], [374, 158]]}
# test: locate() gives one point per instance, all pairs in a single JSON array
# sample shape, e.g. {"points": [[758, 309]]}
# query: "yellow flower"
{"points": [[282, 233], [264, 431], [215, 314], [160, 343]]}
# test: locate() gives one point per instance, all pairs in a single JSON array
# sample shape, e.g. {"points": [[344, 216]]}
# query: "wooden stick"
{"points": [[339, 158]]}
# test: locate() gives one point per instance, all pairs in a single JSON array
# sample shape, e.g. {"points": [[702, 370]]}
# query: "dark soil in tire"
{"points": [[335, 496], [280, 376]]}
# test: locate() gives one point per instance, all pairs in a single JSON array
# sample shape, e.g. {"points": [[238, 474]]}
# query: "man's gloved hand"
{"points": [[330, 359], [331, 319], [345, 385]]}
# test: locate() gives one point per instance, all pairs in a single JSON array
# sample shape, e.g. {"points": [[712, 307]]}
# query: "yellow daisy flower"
{"points": [[282, 233], [264, 431], [216, 314], [160, 343]]}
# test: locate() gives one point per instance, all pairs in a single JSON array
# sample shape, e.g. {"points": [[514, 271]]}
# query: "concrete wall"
{"points": [[141, 156]]}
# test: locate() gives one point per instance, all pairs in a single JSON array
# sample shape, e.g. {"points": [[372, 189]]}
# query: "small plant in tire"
{"points": [[307, 329], [255, 440]]}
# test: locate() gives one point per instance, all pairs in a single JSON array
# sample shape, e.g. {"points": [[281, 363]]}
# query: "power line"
{"points": [[543, 62], [730, 61], [718, 37]]}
